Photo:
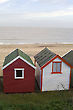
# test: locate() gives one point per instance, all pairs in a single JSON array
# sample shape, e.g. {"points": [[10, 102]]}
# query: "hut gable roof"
{"points": [[14, 55], [44, 56], [69, 57]]}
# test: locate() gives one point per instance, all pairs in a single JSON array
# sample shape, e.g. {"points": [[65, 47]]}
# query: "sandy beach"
{"points": [[33, 49]]}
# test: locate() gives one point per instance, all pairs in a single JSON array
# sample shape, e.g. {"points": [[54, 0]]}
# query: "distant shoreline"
{"points": [[55, 43], [35, 35]]}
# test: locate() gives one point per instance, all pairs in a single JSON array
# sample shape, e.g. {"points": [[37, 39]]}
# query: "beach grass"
{"points": [[53, 100], [57, 100]]}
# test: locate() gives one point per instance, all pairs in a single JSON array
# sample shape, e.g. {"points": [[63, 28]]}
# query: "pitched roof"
{"points": [[69, 57], [14, 55], [44, 56]]}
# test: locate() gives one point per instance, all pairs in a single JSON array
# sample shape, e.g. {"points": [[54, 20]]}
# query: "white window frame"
{"points": [[22, 73]]}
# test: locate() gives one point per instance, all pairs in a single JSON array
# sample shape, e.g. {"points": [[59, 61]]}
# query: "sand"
{"points": [[32, 50]]}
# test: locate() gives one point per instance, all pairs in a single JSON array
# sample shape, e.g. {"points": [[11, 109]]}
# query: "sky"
{"points": [[42, 13]]}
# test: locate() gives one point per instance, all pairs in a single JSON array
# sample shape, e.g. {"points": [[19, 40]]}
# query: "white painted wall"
{"points": [[52, 82], [38, 75]]}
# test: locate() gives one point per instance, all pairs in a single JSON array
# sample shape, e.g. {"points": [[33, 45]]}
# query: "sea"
{"points": [[35, 35]]}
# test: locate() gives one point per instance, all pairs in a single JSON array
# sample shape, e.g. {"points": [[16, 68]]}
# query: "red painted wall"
{"points": [[12, 85]]}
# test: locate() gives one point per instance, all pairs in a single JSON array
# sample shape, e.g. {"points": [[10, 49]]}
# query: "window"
{"points": [[19, 73], [56, 67]]}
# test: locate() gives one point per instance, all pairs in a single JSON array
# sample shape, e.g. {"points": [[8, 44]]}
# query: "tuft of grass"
{"points": [[55, 100]]}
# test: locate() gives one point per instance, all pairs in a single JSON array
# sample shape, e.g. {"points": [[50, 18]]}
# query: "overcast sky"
{"points": [[44, 13]]}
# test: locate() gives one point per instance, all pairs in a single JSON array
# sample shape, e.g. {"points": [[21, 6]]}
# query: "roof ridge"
{"points": [[49, 50], [43, 56], [27, 56], [17, 52]]}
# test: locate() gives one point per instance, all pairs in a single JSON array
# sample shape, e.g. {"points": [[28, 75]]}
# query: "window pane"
{"points": [[58, 67], [54, 67], [18, 73]]}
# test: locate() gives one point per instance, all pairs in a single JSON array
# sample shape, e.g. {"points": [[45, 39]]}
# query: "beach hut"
{"points": [[18, 73], [68, 57], [52, 71]]}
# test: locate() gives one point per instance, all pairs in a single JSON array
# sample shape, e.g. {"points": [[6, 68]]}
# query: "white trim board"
{"points": [[21, 59], [22, 73], [19, 69]]}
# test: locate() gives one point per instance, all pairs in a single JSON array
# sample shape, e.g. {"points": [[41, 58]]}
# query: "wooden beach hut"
{"points": [[52, 71], [68, 57], [18, 73]]}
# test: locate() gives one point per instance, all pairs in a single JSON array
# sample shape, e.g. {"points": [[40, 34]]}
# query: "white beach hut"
{"points": [[52, 72]]}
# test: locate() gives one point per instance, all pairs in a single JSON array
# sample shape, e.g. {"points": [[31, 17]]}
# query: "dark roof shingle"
{"points": [[15, 54], [44, 56], [69, 57]]}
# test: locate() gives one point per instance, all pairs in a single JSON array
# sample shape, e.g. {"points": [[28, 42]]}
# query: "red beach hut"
{"points": [[18, 73]]}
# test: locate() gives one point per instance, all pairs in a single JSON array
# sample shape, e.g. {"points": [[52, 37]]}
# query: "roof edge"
{"points": [[64, 61], [16, 59], [66, 53], [55, 58], [42, 50], [11, 52], [48, 62]]}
